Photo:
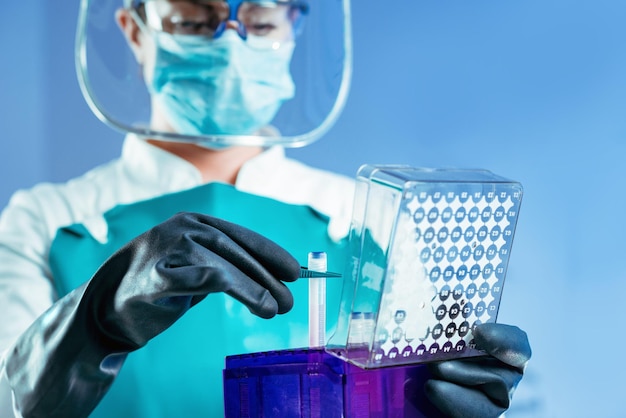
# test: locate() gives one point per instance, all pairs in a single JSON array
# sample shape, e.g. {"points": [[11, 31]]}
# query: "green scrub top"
{"points": [[179, 373]]}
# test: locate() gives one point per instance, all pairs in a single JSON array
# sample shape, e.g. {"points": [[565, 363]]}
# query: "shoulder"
{"points": [[49, 206]]}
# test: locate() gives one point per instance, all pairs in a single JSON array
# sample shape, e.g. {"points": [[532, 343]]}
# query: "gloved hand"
{"points": [[65, 362], [481, 387]]}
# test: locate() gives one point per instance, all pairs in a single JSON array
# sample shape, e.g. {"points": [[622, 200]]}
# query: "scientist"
{"points": [[98, 275]]}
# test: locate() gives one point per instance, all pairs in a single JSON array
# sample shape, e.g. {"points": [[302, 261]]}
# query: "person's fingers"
{"points": [[460, 401], [198, 240], [198, 280], [507, 343], [275, 259], [487, 374], [240, 266]]}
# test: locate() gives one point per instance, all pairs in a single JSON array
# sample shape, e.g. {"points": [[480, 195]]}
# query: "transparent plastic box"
{"points": [[429, 250]]}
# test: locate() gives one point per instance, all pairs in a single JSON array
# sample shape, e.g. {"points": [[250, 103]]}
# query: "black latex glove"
{"points": [[481, 387], [66, 361]]}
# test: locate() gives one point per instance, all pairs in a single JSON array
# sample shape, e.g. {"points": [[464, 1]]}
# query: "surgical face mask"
{"points": [[223, 86]]}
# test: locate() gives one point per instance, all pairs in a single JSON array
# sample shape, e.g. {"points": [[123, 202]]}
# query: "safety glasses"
{"points": [[274, 20]]}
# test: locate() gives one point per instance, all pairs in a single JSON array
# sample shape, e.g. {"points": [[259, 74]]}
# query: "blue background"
{"points": [[534, 90]]}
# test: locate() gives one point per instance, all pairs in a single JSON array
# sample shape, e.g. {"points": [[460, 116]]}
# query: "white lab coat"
{"points": [[29, 223]]}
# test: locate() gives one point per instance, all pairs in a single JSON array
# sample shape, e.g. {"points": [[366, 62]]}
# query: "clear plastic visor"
{"points": [[216, 73]]}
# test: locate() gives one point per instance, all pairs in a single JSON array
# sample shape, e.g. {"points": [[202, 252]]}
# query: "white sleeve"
{"points": [[26, 289]]}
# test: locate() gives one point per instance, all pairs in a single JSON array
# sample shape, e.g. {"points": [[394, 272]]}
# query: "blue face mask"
{"points": [[222, 86]]}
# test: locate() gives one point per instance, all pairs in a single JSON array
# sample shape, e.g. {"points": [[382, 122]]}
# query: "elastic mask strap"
{"points": [[139, 21]]}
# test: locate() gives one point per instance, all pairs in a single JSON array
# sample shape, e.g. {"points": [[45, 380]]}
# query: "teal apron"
{"points": [[179, 373]]}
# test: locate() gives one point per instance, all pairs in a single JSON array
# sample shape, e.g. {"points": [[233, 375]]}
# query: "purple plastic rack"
{"points": [[311, 383]]}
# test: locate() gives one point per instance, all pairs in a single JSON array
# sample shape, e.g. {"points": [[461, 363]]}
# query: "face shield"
{"points": [[216, 73]]}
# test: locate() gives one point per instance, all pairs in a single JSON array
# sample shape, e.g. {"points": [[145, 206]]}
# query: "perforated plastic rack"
{"points": [[429, 253]]}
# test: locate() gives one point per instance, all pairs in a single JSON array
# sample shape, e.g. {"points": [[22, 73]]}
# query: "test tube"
{"points": [[317, 261]]}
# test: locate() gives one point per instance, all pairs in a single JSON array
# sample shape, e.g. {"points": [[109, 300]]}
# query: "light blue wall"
{"points": [[22, 160], [534, 90]]}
